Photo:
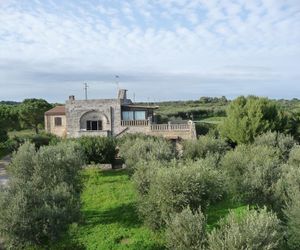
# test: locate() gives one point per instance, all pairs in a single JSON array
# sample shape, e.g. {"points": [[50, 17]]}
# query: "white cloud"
{"points": [[150, 38]]}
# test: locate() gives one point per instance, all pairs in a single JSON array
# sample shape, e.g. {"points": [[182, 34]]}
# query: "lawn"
{"points": [[110, 220]]}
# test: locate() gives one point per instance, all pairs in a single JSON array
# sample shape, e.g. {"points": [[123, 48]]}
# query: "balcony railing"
{"points": [[173, 127], [135, 123]]}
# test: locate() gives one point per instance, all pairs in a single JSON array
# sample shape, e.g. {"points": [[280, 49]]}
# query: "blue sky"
{"points": [[161, 49]]}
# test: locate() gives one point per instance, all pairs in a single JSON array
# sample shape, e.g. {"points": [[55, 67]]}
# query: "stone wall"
{"points": [[108, 108]]}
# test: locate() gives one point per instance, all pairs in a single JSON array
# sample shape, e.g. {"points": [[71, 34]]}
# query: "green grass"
{"points": [[221, 210], [110, 220]]}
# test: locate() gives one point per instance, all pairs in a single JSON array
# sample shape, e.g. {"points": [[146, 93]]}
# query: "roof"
{"points": [[58, 110], [140, 106]]}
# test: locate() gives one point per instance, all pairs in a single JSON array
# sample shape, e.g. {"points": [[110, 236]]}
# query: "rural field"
{"points": [[236, 186]]}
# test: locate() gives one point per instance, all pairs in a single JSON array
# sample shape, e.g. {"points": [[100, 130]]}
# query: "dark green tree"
{"points": [[250, 116], [32, 112]]}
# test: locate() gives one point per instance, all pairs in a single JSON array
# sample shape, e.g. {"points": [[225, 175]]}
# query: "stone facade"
{"points": [[112, 117]]}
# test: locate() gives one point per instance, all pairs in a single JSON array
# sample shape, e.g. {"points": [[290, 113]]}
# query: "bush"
{"points": [[254, 230], [186, 230], [292, 213], [98, 149], [43, 196], [289, 181], [172, 189], [252, 172], [38, 140], [283, 142], [144, 148], [193, 149], [3, 135]]}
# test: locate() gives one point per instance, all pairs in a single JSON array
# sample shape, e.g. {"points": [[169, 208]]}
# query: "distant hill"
{"points": [[9, 103]]}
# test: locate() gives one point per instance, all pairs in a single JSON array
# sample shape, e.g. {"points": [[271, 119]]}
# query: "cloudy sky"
{"points": [[161, 49]]}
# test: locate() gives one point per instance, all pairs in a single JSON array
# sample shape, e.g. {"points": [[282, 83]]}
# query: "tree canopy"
{"points": [[32, 112], [250, 116]]}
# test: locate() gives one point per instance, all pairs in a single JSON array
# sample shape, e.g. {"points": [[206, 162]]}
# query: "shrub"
{"points": [[283, 142], [43, 196], [171, 189], [287, 184], [252, 171], [3, 135], [292, 213], [38, 140], [98, 149], [144, 174], [141, 148], [193, 149], [253, 230], [186, 230]]}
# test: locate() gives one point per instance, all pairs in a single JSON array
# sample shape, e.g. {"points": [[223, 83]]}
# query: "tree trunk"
{"points": [[36, 129]]}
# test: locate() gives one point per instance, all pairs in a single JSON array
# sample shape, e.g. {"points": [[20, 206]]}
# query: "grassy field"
{"points": [[110, 220]]}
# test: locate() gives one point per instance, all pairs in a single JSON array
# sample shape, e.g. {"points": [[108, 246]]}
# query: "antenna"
{"points": [[85, 90], [133, 97], [117, 81]]}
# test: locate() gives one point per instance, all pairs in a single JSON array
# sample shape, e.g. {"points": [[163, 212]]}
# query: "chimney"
{"points": [[122, 94], [71, 98]]}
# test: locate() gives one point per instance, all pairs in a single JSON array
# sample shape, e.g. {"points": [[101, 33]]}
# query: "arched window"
{"points": [[93, 121]]}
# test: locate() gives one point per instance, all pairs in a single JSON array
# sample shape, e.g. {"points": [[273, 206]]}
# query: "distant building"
{"points": [[111, 117]]}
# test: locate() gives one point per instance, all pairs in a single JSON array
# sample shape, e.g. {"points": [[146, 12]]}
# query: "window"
{"points": [[94, 125], [127, 115], [57, 121], [139, 115], [133, 115]]}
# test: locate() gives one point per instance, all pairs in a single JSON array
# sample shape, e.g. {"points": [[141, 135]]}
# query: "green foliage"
{"points": [[141, 148], [9, 117], [289, 181], [205, 145], [251, 116], [256, 229], [43, 196], [252, 171], [292, 213], [3, 135], [186, 230], [283, 142], [32, 111], [172, 189], [38, 140], [98, 149]]}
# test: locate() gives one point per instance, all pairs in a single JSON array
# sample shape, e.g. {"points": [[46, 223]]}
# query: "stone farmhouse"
{"points": [[111, 117]]}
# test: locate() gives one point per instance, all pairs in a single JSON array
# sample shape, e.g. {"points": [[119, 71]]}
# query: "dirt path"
{"points": [[3, 174]]}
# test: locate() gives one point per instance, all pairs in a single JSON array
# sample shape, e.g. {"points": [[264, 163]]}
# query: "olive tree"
{"points": [[255, 229], [252, 171], [205, 145], [186, 230], [43, 195], [172, 189], [140, 148]]}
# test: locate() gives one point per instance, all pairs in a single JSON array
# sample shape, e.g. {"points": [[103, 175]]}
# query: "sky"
{"points": [[160, 49]]}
